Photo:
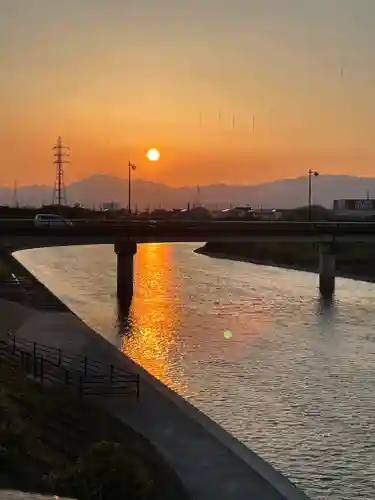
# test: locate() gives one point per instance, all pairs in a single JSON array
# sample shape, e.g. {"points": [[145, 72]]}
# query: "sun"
{"points": [[153, 154]]}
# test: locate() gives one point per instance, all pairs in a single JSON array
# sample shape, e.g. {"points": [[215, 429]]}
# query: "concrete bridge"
{"points": [[21, 234]]}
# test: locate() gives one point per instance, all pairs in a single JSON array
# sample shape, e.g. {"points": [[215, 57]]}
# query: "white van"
{"points": [[51, 220]]}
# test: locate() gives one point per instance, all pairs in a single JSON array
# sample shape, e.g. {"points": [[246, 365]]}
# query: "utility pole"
{"points": [[198, 199], [310, 174], [15, 195], [59, 191], [131, 167]]}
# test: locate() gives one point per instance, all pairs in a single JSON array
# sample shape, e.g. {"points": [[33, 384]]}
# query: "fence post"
{"points": [[14, 343], [34, 350], [80, 388], [35, 365], [28, 367], [59, 358], [137, 386], [85, 366], [111, 369], [41, 369]]}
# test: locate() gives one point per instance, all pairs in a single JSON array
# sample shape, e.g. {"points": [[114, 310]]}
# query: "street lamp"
{"points": [[131, 167], [310, 174]]}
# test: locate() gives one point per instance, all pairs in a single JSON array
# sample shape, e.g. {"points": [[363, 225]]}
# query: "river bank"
{"points": [[231, 470], [226, 251]]}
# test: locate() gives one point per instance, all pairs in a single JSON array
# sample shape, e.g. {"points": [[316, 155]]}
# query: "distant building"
{"points": [[199, 213], [159, 213], [111, 205], [353, 208], [247, 212], [267, 214], [236, 212]]}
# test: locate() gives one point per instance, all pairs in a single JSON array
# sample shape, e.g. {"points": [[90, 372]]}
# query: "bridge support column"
{"points": [[125, 251], [327, 268]]}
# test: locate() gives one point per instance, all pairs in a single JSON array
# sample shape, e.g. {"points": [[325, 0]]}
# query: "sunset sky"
{"points": [[115, 77]]}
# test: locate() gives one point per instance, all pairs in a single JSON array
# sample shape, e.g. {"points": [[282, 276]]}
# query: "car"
{"points": [[51, 220]]}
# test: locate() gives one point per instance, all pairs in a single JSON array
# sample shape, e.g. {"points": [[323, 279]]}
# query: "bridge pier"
{"points": [[327, 269], [125, 251]]}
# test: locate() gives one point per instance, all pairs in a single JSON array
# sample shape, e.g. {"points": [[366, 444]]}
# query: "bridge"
{"points": [[18, 234]]}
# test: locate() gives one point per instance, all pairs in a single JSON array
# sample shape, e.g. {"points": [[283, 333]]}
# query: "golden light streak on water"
{"points": [[153, 327]]}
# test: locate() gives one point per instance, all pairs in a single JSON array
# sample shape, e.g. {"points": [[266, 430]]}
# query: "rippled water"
{"points": [[296, 380]]}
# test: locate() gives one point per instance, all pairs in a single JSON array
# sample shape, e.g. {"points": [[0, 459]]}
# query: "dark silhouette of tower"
{"points": [[59, 191]]}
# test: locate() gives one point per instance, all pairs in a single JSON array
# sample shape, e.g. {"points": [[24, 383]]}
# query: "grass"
{"points": [[51, 442]]}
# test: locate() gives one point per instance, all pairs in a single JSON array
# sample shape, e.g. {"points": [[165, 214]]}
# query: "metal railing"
{"points": [[99, 221], [81, 374]]}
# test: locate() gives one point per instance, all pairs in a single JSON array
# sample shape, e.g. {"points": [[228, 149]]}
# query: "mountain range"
{"points": [[285, 193]]}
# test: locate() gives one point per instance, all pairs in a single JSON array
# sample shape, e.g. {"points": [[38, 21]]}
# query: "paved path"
{"points": [[20, 495]]}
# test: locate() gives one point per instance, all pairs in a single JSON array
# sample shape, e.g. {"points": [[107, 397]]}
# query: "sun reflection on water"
{"points": [[154, 317]]}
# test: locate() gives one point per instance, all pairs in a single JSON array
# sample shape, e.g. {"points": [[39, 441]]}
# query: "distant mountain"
{"points": [[286, 193]]}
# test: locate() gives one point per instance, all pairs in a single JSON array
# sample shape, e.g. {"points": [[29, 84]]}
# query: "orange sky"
{"points": [[115, 79]]}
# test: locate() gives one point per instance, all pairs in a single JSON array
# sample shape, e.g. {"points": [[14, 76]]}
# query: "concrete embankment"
{"points": [[210, 462]]}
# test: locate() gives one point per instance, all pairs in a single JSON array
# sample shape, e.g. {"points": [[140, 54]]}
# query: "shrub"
{"points": [[11, 447], [105, 472]]}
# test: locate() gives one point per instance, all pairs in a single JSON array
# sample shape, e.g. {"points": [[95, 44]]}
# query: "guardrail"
{"points": [[81, 374]]}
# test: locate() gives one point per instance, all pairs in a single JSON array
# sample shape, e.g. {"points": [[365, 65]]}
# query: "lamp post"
{"points": [[310, 174], [131, 167]]}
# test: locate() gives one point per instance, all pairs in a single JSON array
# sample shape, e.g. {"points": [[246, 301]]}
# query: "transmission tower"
{"points": [[59, 191]]}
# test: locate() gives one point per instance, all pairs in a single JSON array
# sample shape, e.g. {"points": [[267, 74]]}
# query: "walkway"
{"points": [[20, 495]]}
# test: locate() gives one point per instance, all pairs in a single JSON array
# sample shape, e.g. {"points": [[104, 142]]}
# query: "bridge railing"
{"points": [[190, 229], [81, 374], [166, 220]]}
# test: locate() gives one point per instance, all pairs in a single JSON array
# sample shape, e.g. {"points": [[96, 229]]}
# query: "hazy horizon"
{"points": [[179, 186], [118, 77], [285, 193]]}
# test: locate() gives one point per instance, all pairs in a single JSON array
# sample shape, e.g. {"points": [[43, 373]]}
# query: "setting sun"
{"points": [[153, 154]]}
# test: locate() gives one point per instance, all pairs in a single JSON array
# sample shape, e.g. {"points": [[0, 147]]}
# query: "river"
{"points": [[295, 382]]}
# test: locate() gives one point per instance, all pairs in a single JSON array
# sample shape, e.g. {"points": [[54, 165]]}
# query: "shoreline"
{"points": [[174, 426], [270, 263], [31, 292]]}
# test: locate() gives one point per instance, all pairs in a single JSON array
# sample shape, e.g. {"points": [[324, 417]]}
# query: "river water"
{"points": [[295, 382]]}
